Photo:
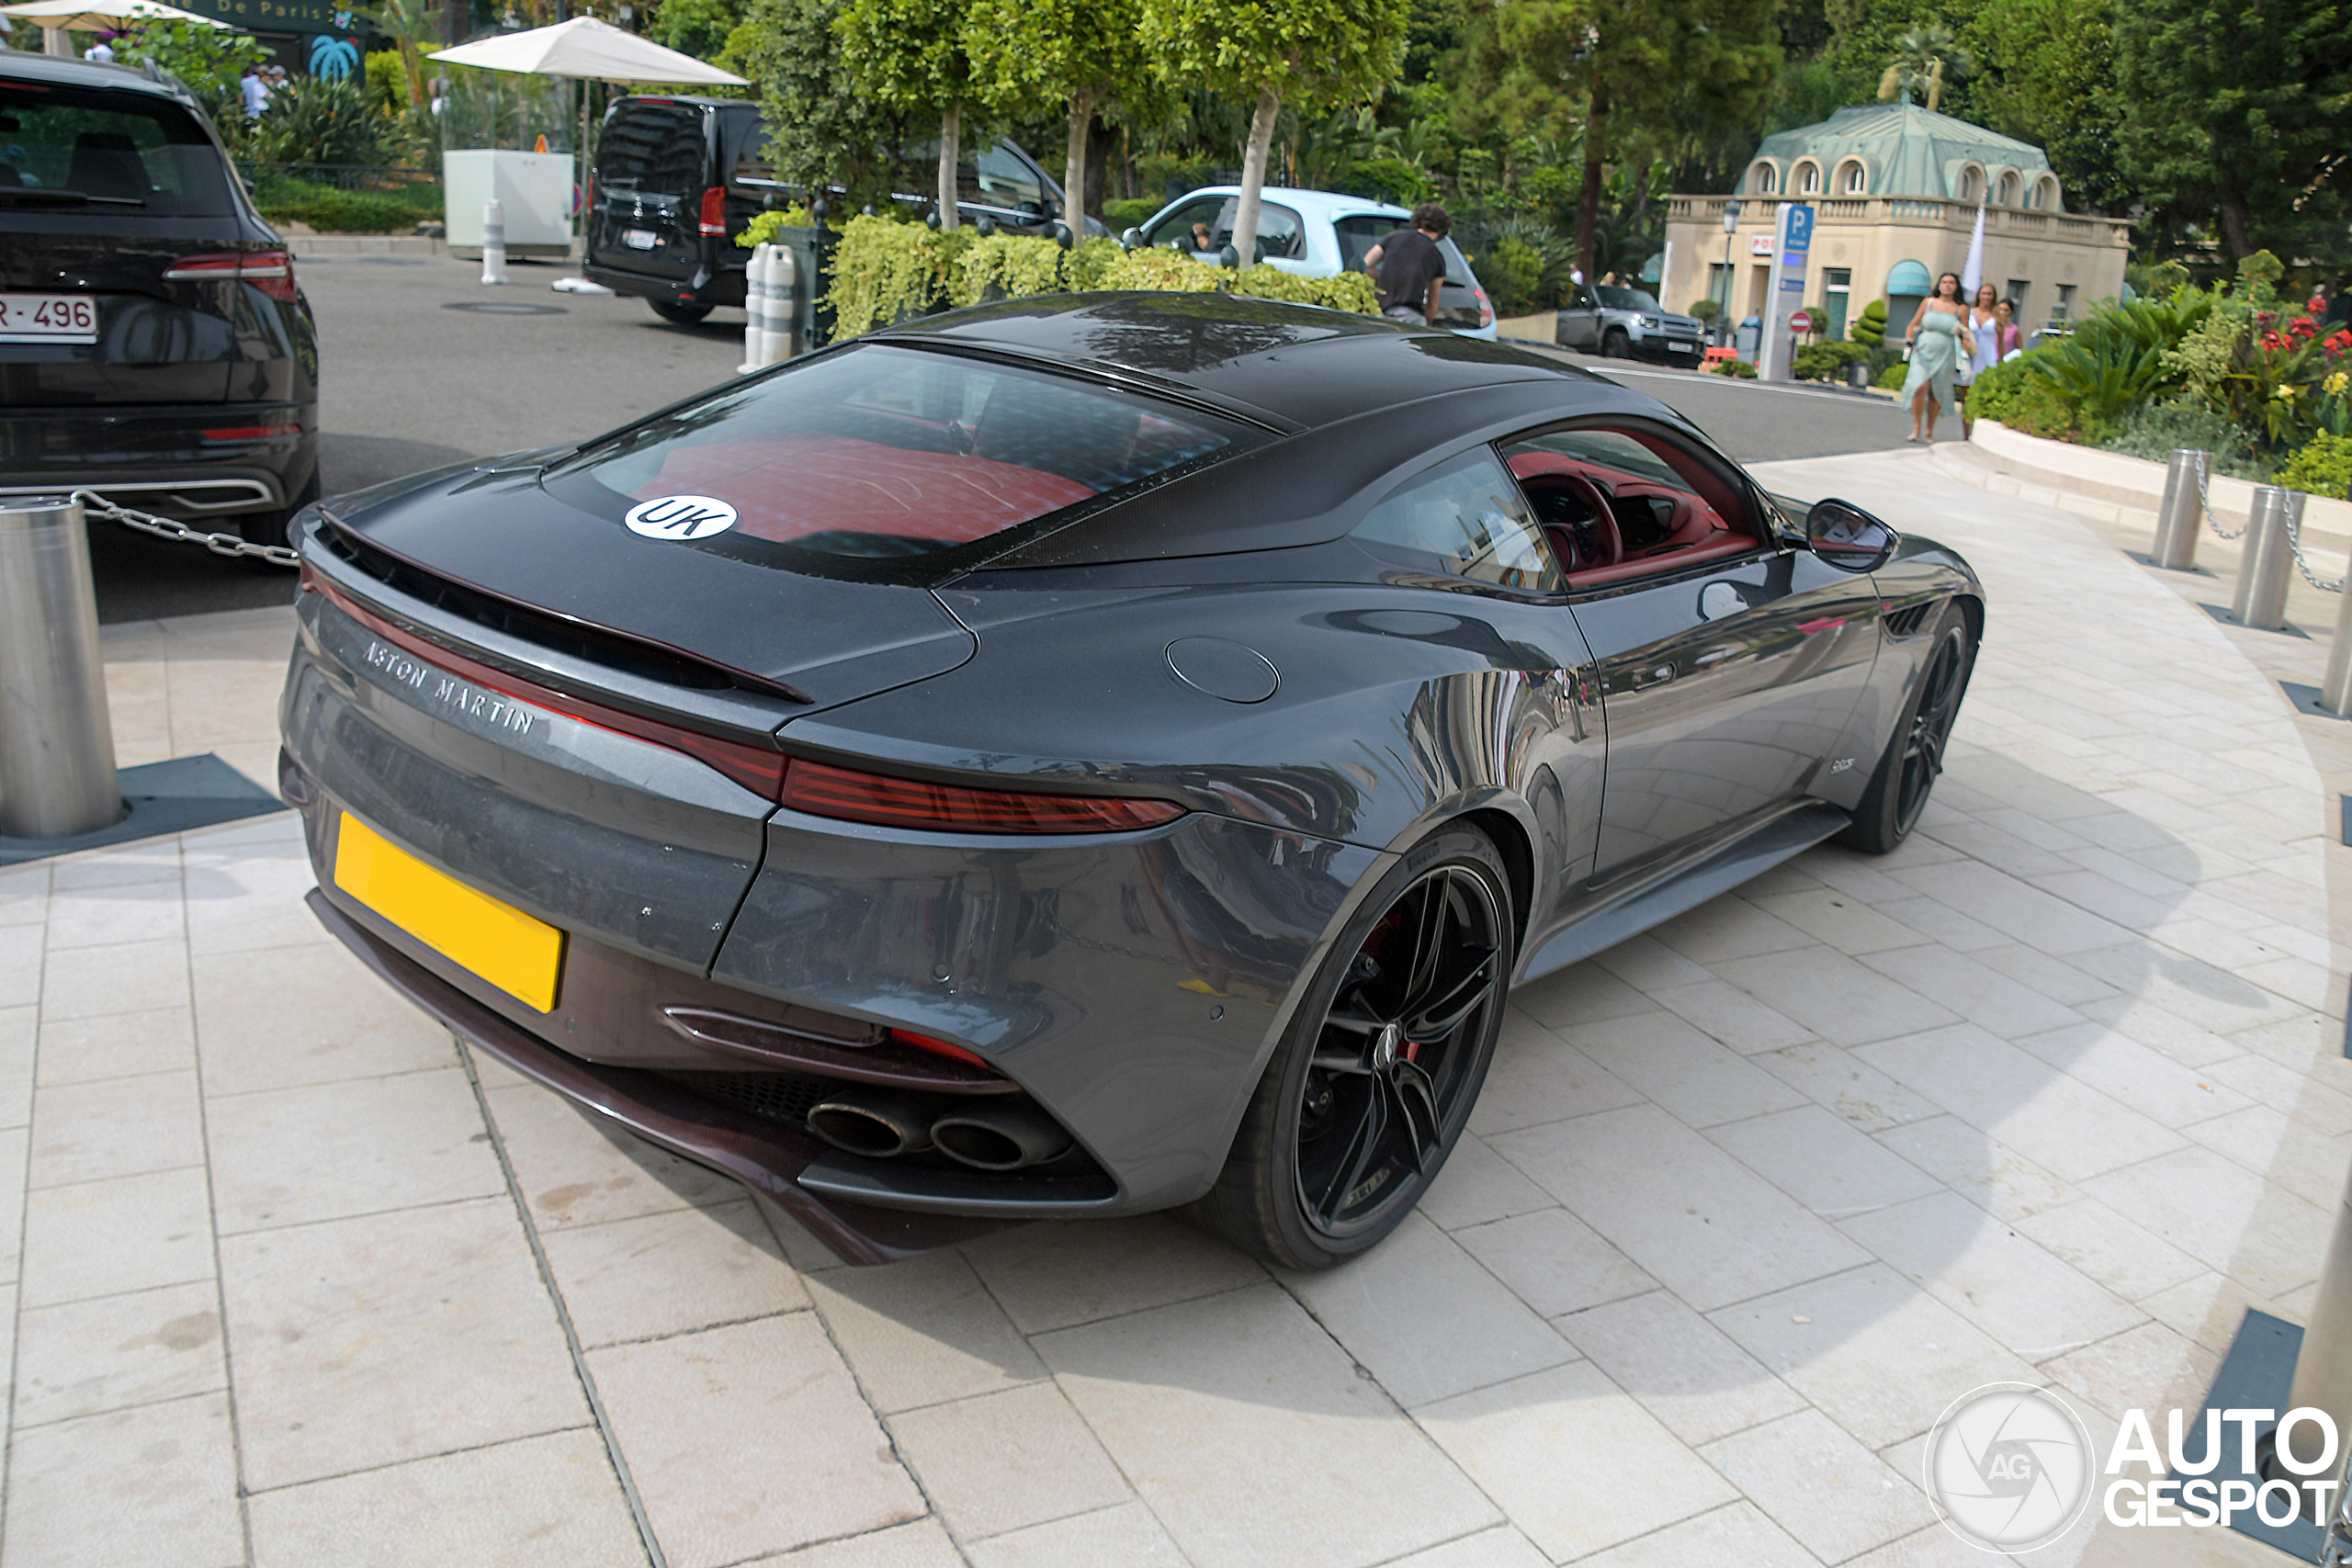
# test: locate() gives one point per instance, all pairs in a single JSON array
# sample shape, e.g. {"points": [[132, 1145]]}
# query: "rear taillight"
{"points": [[940, 1047], [253, 432], [1486, 308], [714, 210], [272, 272], [822, 790]]}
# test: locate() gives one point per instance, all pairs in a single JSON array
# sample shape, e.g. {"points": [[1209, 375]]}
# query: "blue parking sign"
{"points": [[1799, 233]]}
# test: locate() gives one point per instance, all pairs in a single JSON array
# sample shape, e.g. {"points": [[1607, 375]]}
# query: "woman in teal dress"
{"points": [[1935, 343]]}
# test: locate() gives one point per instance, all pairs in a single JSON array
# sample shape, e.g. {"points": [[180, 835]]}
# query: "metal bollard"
{"points": [[493, 240], [2182, 513], [755, 311], [2261, 599], [2324, 1366], [57, 774], [2335, 690]]}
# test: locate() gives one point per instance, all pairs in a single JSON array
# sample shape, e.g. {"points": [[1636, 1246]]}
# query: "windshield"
{"points": [[880, 452], [1626, 299], [116, 149]]}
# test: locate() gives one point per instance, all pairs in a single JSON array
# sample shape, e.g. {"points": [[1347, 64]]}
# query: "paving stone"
{"points": [[125, 1127], [546, 1502], [750, 1440], [105, 1353], [354, 1146], [668, 1273], [157, 1483], [922, 1331], [1050, 1276], [1128, 1535], [1682, 1369], [1820, 1485], [1002, 1461], [1252, 1440]]}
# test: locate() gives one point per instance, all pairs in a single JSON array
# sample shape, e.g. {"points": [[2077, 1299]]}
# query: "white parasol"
{"points": [[592, 51], [582, 47], [55, 17]]}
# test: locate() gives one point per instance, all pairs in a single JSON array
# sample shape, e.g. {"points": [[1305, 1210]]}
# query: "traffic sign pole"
{"points": [[1794, 235]]}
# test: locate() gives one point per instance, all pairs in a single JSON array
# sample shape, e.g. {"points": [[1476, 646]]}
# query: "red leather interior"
{"points": [[786, 487], [1695, 532]]}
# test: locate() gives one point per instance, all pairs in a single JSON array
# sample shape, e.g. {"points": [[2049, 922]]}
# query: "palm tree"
{"points": [[409, 23], [1924, 56]]}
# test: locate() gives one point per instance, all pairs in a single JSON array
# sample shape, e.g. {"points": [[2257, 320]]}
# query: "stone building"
{"points": [[1895, 190]]}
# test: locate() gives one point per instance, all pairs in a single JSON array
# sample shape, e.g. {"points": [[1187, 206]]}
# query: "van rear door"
{"points": [[653, 165]]}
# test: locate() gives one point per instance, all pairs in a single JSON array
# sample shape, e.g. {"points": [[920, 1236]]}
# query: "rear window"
{"points": [[878, 454], [653, 148], [121, 150]]}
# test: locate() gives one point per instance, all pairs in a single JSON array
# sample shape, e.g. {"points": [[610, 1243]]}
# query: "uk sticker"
{"points": [[680, 517]]}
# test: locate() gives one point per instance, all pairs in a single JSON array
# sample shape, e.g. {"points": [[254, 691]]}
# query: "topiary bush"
{"points": [[2323, 466], [1827, 361], [1890, 376], [1870, 327], [1734, 369]]}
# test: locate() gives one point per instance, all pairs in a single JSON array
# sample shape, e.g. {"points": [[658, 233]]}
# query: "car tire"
{"points": [[1897, 793], [1615, 344], [683, 315], [1352, 1119]]}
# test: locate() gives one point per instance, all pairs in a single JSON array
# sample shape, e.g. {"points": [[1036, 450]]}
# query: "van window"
{"points": [[655, 148], [1282, 230], [123, 150]]}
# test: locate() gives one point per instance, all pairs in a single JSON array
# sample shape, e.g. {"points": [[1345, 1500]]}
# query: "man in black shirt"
{"points": [[1407, 269]]}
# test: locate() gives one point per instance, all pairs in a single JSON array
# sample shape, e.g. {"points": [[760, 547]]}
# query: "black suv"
{"points": [[153, 346], [677, 178]]}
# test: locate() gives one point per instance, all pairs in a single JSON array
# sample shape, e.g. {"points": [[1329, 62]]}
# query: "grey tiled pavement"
{"points": [[2054, 1094]]}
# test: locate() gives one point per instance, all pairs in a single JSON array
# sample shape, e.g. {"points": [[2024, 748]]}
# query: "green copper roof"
{"points": [[1907, 150]]}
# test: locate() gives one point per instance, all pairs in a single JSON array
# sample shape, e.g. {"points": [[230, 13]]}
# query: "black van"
{"points": [[677, 178]]}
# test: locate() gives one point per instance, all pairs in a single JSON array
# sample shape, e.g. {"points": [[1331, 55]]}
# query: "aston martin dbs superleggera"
{"points": [[1083, 755]]}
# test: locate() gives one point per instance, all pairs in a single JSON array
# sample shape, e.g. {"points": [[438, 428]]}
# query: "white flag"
{"points": [[1972, 272]]}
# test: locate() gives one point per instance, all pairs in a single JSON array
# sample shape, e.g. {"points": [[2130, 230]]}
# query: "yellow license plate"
{"points": [[520, 956]]}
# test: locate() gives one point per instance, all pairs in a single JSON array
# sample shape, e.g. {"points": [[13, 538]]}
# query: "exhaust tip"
{"points": [[878, 1127], [1011, 1137]]}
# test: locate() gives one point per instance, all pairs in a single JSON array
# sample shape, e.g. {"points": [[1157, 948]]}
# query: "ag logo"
{"points": [[2009, 1467], [680, 517]]}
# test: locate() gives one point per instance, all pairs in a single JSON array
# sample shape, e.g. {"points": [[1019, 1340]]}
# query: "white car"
{"points": [[1315, 233]]}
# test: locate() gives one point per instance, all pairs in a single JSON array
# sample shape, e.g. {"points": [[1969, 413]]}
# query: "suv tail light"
{"points": [[823, 790], [714, 210], [1485, 308], [272, 272]]}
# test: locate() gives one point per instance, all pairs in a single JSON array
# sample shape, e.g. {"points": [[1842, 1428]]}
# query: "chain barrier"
{"points": [[97, 505], [2295, 543], [2205, 501]]}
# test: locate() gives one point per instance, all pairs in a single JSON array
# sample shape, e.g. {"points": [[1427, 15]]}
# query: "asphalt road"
{"points": [[421, 365]]}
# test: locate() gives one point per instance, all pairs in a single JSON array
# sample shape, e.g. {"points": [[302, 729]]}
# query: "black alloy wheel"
{"points": [[1906, 773], [1615, 344], [1382, 1064]]}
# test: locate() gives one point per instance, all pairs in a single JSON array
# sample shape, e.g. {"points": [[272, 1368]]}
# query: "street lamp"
{"points": [[1731, 226]]}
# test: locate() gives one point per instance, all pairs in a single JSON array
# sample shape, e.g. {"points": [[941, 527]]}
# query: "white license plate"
{"points": [[639, 238], [48, 318], [1683, 347]]}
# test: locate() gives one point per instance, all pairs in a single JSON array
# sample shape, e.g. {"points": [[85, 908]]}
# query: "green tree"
{"points": [[699, 28], [1315, 55], [915, 55], [1621, 73], [1087, 53], [413, 26], [2235, 115], [2046, 74], [208, 60], [1925, 57], [822, 131]]}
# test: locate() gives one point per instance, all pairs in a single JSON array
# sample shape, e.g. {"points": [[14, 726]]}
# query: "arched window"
{"points": [[1763, 179], [2008, 195], [1854, 179], [1972, 183], [2045, 194], [1808, 179]]}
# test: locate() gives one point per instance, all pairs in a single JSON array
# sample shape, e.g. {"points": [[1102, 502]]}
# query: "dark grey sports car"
{"points": [[1084, 756]]}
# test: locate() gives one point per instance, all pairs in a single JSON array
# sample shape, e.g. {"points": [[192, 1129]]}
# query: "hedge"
{"points": [[886, 270]]}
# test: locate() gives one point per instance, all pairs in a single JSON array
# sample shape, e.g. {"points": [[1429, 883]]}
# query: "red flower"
{"points": [[2340, 342], [2266, 318], [2317, 305], [2304, 326], [2273, 341]]}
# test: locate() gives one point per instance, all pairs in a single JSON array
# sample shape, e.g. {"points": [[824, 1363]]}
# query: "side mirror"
{"points": [[1132, 240], [1848, 537]]}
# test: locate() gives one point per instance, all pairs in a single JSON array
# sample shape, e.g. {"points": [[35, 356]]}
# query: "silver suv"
{"points": [[1625, 323]]}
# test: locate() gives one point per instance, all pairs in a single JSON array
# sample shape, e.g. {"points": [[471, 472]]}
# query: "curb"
{"points": [[362, 245], [2106, 486]]}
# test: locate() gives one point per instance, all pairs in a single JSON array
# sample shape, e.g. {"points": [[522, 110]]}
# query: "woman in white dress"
{"points": [[1979, 351]]}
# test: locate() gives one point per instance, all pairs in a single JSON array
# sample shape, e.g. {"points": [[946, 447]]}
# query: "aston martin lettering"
{"points": [[502, 713], [680, 517]]}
